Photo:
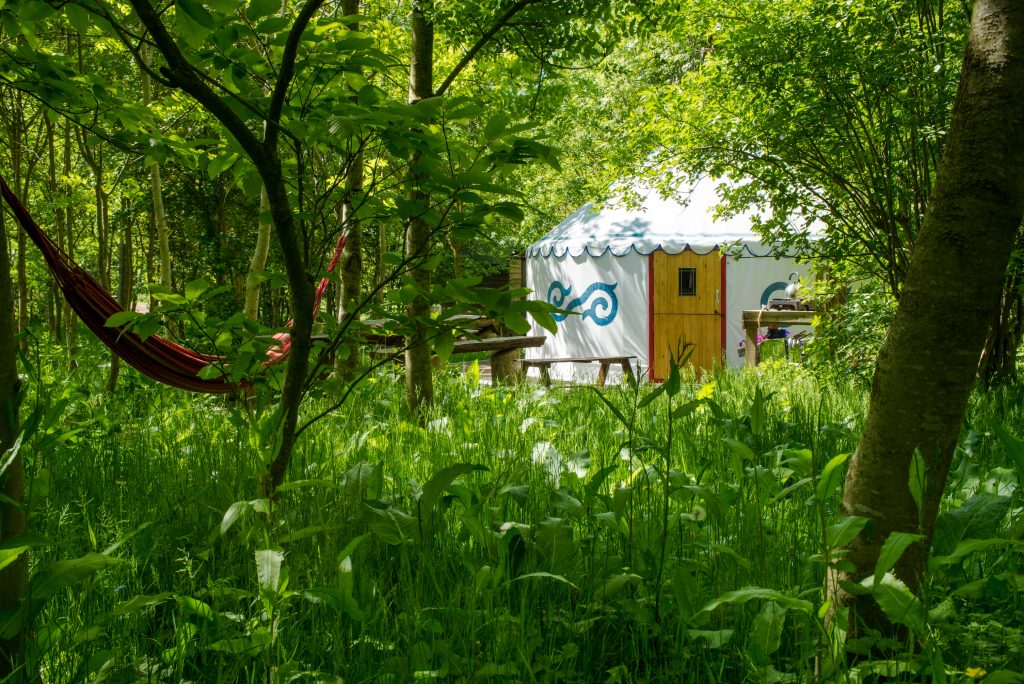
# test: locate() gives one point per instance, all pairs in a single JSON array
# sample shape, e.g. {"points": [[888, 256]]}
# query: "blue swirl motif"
{"points": [[603, 307]]}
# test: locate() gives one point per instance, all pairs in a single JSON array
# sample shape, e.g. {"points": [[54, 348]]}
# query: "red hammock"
{"points": [[155, 357]]}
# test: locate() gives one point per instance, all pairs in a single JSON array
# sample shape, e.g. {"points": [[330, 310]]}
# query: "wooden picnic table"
{"points": [[754, 318], [504, 352], [602, 374]]}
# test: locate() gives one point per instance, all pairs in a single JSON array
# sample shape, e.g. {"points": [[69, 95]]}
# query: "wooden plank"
{"points": [[490, 344], [752, 317]]}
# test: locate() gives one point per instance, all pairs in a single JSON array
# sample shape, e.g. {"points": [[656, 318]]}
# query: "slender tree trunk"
{"points": [[259, 260], [70, 319], [18, 143], [350, 294], [419, 382], [927, 365], [156, 188], [14, 577], [125, 283]]}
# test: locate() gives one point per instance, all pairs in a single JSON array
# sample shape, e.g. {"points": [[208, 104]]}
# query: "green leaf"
{"points": [[758, 412], [221, 163], [268, 568], [137, 603], [843, 532], [614, 409], [766, 632], [436, 485], [896, 601], [393, 526], [1014, 447], [969, 546], [197, 13], [261, 8], [495, 125], [715, 638], [831, 477], [8, 556], [545, 575], [64, 574], [197, 287], [917, 480], [120, 318], [747, 594], [892, 550], [980, 517], [194, 606]]}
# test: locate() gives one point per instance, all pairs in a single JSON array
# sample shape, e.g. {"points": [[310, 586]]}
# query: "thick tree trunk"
{"points": [[419, 381], [927, 365], [350, 293], [14, 577]]}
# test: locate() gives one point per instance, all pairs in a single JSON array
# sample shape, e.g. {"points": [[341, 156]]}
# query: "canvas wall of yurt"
{"points": [[655, 281]]}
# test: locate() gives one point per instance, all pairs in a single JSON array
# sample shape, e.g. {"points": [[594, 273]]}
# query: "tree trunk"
{"points": [[18, 144], [419, 382], [156, 188], [70, 319], [926, 367], [14, 577], [349, 296], [125, 270]]}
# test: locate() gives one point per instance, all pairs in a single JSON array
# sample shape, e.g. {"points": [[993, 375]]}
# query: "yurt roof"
{"points": [[658, 223]]}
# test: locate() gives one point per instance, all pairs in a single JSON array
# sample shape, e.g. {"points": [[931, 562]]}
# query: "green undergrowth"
{"points": [[520, 534]]}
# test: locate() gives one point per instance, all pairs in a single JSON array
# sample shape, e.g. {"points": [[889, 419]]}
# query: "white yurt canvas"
{"points": [[652, 282]]}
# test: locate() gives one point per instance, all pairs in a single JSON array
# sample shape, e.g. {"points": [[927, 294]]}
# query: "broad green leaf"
{"points": [[137, 603], [969, 546], [758, 412], [258, 9], [197, 287], [892, 550], [336, 599], [197, 13], [66, 573], [1014, 447], [221, 163], [766, 632], [268, 568], [8, 556], [747, 594], [831, 477], [495, 126], [896, 601], [980, 517], [844, 531], [436, 485], [393, 526], [120, 318], [194, 606]]}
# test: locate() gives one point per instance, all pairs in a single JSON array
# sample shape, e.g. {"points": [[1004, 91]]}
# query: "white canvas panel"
{"points": [[750, 283], [609, 296]]}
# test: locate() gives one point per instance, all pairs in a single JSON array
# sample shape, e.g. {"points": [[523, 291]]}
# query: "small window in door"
{"points": [[687, 282]]}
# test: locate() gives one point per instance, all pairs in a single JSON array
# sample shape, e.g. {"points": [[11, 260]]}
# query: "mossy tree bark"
{"points": [[927, 365], [419, 381]]}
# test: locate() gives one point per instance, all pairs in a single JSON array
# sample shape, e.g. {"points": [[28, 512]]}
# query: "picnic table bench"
{"points": [[602, 374], [504, 352]]}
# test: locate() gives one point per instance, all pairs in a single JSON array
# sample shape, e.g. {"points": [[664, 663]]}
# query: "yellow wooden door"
{"points": [[687, 309]]}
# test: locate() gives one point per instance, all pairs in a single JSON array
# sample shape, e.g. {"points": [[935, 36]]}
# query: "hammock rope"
{"points": [[155, 357]]}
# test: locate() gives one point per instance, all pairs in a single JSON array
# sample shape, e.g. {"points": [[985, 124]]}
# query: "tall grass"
{"points": [[522, 534]]}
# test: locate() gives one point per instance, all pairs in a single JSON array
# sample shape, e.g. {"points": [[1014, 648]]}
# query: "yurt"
{"points": [[651, 281]]}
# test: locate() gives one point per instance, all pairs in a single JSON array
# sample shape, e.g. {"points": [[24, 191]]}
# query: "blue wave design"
{"points": [[604, 306]]}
